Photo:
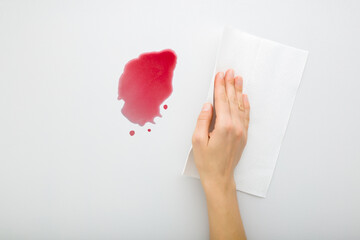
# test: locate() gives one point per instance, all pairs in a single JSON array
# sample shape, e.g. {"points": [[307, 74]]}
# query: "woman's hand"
{"points": [[218, 152]]}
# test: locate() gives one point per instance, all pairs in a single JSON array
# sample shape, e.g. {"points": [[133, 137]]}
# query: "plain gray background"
{"points": [[70, 170]]}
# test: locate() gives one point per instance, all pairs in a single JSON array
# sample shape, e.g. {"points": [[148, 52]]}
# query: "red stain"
{"points": [[165, 106], [149, 130], [145, 84], [132, 132]]}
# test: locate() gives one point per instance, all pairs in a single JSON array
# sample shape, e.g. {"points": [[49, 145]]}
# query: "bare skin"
{"points": [[217, 153]]}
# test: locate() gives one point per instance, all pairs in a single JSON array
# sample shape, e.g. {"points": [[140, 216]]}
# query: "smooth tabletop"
{"points": [[69, 168]]}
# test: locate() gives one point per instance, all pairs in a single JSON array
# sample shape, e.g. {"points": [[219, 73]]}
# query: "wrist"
{"points": [[221, 186]]}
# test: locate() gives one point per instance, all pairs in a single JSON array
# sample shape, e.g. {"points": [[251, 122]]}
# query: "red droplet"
{"points": [[149, 130], [165, 106], [145, 83], [132, 132]]}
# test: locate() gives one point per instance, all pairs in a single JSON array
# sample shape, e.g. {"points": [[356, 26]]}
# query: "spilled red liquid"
{"points": [[132, 132], [165, 106], [145, 84], [149, 130]]}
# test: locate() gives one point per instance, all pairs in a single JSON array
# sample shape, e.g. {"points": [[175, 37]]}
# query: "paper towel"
{"points": [[272, 73]]}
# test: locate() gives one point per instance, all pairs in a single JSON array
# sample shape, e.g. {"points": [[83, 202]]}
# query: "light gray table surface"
{"points": [[70, 170]]}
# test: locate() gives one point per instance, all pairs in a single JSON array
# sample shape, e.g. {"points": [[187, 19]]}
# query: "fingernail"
{"points": [[231, 72], [239, 82], [221, 74], [206, 107]]}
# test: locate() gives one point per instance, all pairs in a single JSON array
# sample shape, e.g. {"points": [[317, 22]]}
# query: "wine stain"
{"points": [[145, 84]]}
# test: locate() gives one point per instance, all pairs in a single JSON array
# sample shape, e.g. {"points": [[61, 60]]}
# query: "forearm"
{"points": [[224, 215]]}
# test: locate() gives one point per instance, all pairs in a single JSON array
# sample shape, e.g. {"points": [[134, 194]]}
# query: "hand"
{"points": [[217, 153]]}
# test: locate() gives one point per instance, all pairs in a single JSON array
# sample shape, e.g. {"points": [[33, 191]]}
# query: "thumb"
{"points": [[201, 132]]}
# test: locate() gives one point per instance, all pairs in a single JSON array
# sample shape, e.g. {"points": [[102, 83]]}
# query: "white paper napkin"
{"points": [[272, 74]]}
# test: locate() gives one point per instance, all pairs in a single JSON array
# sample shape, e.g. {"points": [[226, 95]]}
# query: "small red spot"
{"points": [[165, 106], [132, 132], [149, 130]]}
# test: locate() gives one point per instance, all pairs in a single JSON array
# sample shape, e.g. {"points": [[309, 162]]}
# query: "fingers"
{"points": [[201, 132], [230, 88], [231, 105], [239, 89], [221, 99], [246, 110]]}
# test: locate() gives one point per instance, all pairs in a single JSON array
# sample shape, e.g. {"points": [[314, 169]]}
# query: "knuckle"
{"points": [[239, 133], [220, 95], [203, 116], [227, 126], [196, 139], [247, 121], [246, 125], [233, 99], [229, 80]]}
